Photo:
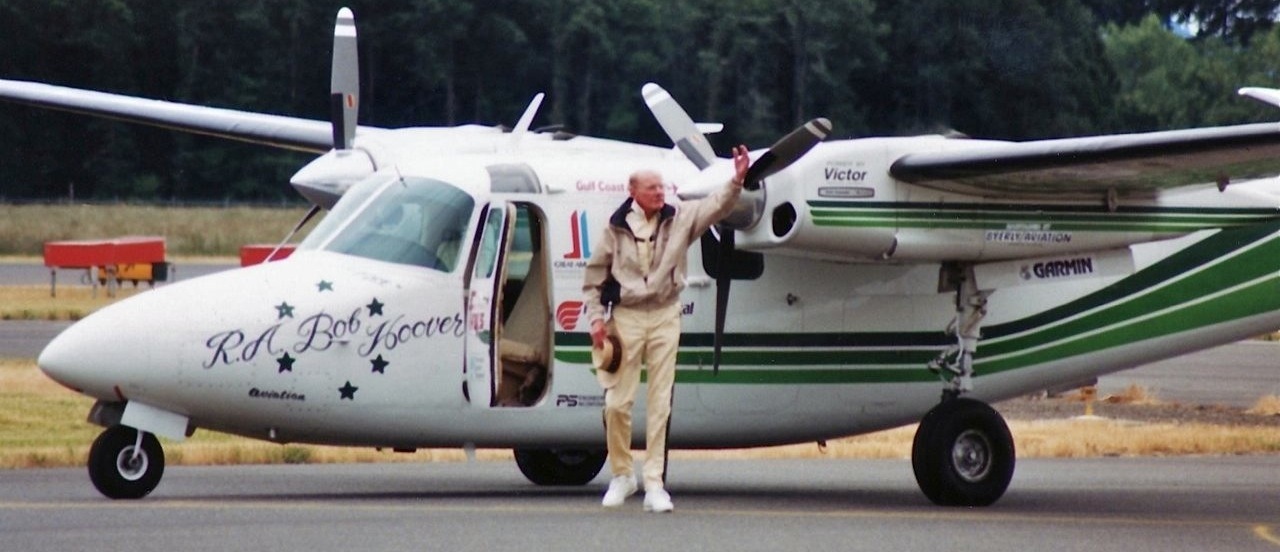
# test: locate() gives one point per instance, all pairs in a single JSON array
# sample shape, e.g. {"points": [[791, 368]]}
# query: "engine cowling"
{"points": [[840, 203]]}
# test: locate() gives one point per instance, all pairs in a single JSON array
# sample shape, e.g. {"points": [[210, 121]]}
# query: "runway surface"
{"points": [[1107, 504], [26, 274]]}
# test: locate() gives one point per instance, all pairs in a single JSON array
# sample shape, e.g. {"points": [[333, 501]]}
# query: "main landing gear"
{"points": [[125, 462], [560, 466], [963, 452]]}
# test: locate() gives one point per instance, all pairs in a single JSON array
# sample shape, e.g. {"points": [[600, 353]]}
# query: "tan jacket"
{"points": [[616, 253]]}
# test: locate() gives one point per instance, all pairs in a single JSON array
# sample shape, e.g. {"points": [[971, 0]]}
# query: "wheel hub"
{"points": [[132, 463], [971, 456]]}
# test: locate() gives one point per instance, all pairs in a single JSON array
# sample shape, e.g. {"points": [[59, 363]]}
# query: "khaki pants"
{"points": [[649, 337]]}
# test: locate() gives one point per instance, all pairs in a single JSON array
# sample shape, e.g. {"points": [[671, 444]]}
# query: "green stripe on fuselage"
{"points": [[1160, 300], [1058, 217]]}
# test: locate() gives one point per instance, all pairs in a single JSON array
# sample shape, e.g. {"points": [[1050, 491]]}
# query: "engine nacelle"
{"points": [[840, 203], [829, 204], [326, 178]]}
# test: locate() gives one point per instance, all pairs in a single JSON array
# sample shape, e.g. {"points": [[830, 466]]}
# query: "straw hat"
{"points": [[606, 360]]}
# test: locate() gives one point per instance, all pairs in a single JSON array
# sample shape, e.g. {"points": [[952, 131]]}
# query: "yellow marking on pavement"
{"points": [[1264, 532]]}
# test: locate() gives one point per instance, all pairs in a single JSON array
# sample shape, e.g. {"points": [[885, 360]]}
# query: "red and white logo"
{"points": [[568, 313], [581, 241]]}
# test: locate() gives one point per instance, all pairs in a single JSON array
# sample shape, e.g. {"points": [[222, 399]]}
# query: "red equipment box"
{"points": [[253, 254], [91, 253]]}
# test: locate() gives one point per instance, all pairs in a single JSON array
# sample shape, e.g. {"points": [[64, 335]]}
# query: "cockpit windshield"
{"points": [[413, 221]]}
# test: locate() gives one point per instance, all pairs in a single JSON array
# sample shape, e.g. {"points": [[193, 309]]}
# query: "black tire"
{"points": [[560, 466], [963, 454], [114, 469]]}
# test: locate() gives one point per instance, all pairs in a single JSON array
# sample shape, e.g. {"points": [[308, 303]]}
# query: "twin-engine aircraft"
{"points": [[876, 282]]}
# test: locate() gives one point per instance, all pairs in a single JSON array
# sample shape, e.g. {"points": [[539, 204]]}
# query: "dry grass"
{"points": [[1075, 438], [187, 230], [1081, 438], [1268, 405], [72, 303], [1133, 394], [43, 425]]}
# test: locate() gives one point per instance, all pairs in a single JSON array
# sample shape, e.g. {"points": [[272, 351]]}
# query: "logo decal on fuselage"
{"points": [[580, 238], [568, 313], [1063, 268], [321, 331], [1027, 234]]}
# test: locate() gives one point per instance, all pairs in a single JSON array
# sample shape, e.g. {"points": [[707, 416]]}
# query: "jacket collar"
{"points": [[619, 217]]}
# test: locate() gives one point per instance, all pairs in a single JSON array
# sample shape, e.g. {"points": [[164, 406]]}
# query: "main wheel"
{"points": [[963, 454], [119, 469], [560, 466]]}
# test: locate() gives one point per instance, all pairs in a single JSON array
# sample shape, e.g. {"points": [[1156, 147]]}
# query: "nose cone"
{"points": [[97, 354]]}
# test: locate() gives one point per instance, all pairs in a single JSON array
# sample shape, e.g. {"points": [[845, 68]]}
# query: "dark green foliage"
{"points": [[994, 69]]}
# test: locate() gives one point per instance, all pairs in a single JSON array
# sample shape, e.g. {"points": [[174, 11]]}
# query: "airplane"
{"points": [[877, 282]]}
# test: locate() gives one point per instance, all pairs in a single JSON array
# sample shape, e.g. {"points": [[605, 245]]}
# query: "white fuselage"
{"points": [[831, 339]]}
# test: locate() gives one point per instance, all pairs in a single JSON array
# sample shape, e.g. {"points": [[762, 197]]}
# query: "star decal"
{"points": [[285, 363], [380, 365], [347, 391], [375, 308], [323, 286], [283, 310]]}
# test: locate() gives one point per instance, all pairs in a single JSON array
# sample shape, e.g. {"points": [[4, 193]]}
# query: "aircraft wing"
{"points": [[259, 128], [1129, 164]]}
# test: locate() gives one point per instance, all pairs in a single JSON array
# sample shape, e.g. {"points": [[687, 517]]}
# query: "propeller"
{"points": [[344, 81], [344, 110], [684, 133]]}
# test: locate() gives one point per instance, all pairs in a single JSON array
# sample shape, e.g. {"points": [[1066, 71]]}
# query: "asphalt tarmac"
{"points": [[1156, 504]]}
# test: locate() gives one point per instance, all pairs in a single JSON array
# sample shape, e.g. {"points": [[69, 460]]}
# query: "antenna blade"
{"points": [[678, 125], [522, 126], [344, 83]]}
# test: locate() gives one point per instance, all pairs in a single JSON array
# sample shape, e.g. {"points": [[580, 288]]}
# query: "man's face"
{"points": [[648, 192]]}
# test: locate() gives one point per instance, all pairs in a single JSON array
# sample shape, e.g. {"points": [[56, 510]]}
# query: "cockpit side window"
{"points": [[410, 221]]}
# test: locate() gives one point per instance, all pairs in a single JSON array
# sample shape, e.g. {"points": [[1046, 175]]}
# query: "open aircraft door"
{"points": [[484, 299]]}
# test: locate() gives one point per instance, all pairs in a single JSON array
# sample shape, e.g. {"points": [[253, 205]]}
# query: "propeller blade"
{"points": [[786, 151], [305, 219], [678, 125], [725, 254], [344, 81]]}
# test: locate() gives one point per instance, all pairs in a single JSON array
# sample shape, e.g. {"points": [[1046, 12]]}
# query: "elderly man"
{"points": [[639, 261]]}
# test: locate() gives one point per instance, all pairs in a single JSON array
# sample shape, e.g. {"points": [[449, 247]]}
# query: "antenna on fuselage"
{"points": [[526, 120]]}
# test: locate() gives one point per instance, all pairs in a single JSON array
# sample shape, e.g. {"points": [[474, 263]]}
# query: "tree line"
{"points": [[1004, 69]]}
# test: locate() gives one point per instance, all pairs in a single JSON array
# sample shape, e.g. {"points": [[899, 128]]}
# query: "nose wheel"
{"points": [[125, 462], [963, 454]]}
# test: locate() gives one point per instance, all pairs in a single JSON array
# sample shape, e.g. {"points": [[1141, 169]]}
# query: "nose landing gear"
{"points": [[125, 462]]}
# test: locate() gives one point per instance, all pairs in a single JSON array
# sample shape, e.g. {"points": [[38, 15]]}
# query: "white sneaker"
{"points": [[657, 501], [620, 488]]}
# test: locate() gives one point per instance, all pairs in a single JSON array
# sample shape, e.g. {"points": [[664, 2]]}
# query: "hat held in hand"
{"points": [[607, 357]]}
